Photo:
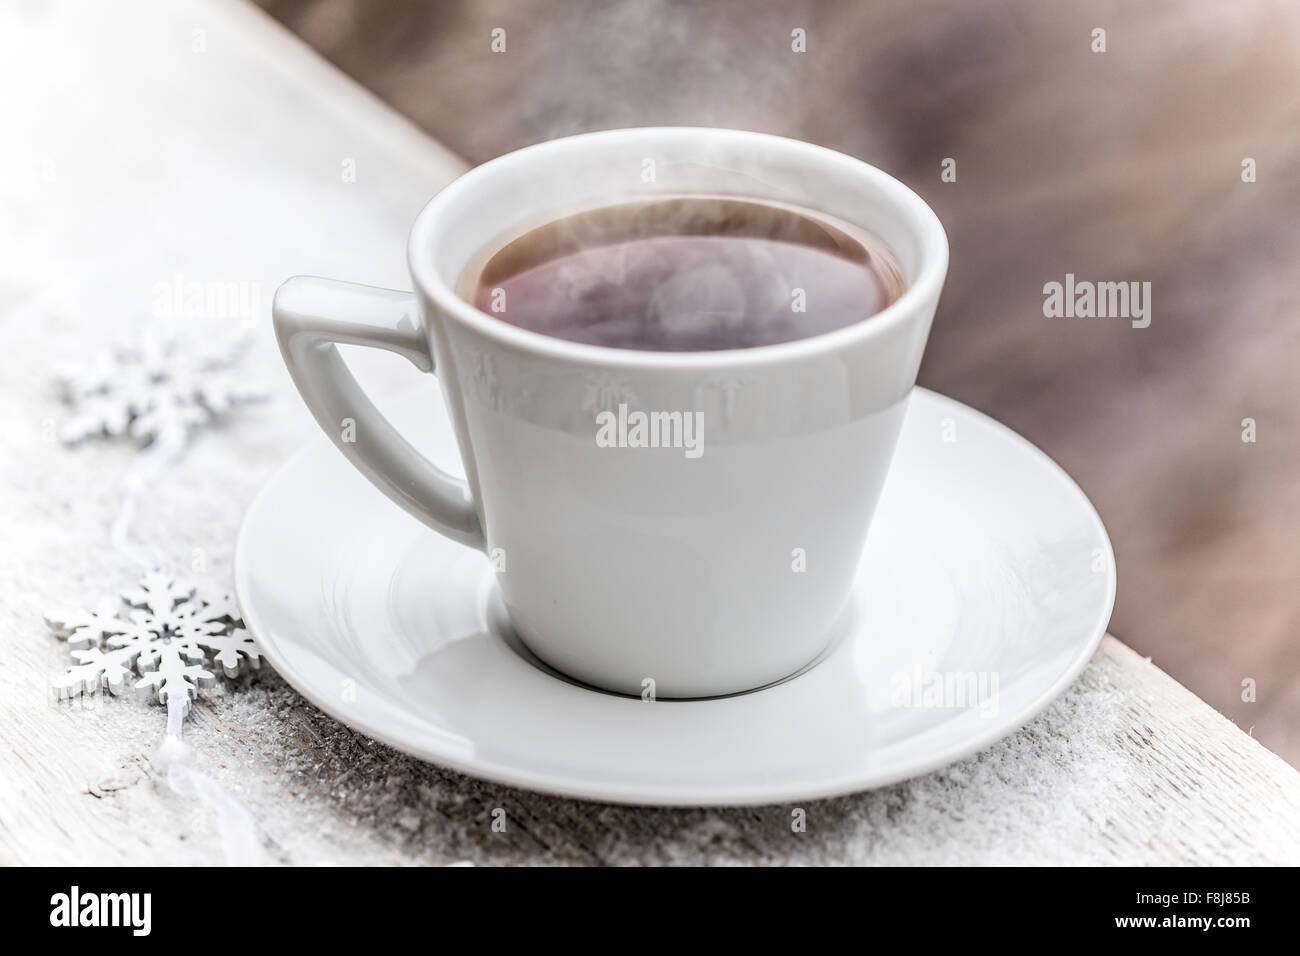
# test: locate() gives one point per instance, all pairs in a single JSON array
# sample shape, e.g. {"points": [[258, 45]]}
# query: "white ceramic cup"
{"points": [[639, 570]]}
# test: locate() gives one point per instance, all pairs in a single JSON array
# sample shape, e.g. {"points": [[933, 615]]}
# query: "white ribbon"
{"points": [[240, 837]]}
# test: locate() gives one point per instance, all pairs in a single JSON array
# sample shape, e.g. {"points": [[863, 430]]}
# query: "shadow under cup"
{"points": [[675, 524]]}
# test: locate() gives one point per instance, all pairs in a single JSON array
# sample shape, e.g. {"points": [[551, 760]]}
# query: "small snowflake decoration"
{"points": [[160, 635], [159, 387]]}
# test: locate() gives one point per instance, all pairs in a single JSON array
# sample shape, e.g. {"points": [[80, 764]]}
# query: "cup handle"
{"points": [[313, 314]]}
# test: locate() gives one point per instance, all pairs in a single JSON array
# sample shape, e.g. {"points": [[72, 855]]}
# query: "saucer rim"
{"points": [[576, 787]]}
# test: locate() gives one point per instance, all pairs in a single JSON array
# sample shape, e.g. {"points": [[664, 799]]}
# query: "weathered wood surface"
{"points": [[141, 160]]}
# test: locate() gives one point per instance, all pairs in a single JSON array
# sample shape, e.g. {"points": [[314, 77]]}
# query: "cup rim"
{"points": [[925, 288]]}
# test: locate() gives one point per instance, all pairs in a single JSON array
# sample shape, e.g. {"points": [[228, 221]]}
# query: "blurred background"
{"points": [[1123, 165]]}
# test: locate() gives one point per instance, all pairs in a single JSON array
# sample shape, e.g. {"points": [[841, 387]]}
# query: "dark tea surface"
{"points": [[686, 274]]}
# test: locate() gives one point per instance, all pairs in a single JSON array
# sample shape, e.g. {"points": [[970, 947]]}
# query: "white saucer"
{"points": [[985, 561]]}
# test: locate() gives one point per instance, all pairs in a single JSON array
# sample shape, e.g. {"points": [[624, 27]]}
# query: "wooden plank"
{"points": [[225, 165], [1129, 767]]}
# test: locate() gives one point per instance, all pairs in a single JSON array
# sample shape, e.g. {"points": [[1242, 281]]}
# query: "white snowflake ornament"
{"points": [[161, 635], [157, 387]]}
